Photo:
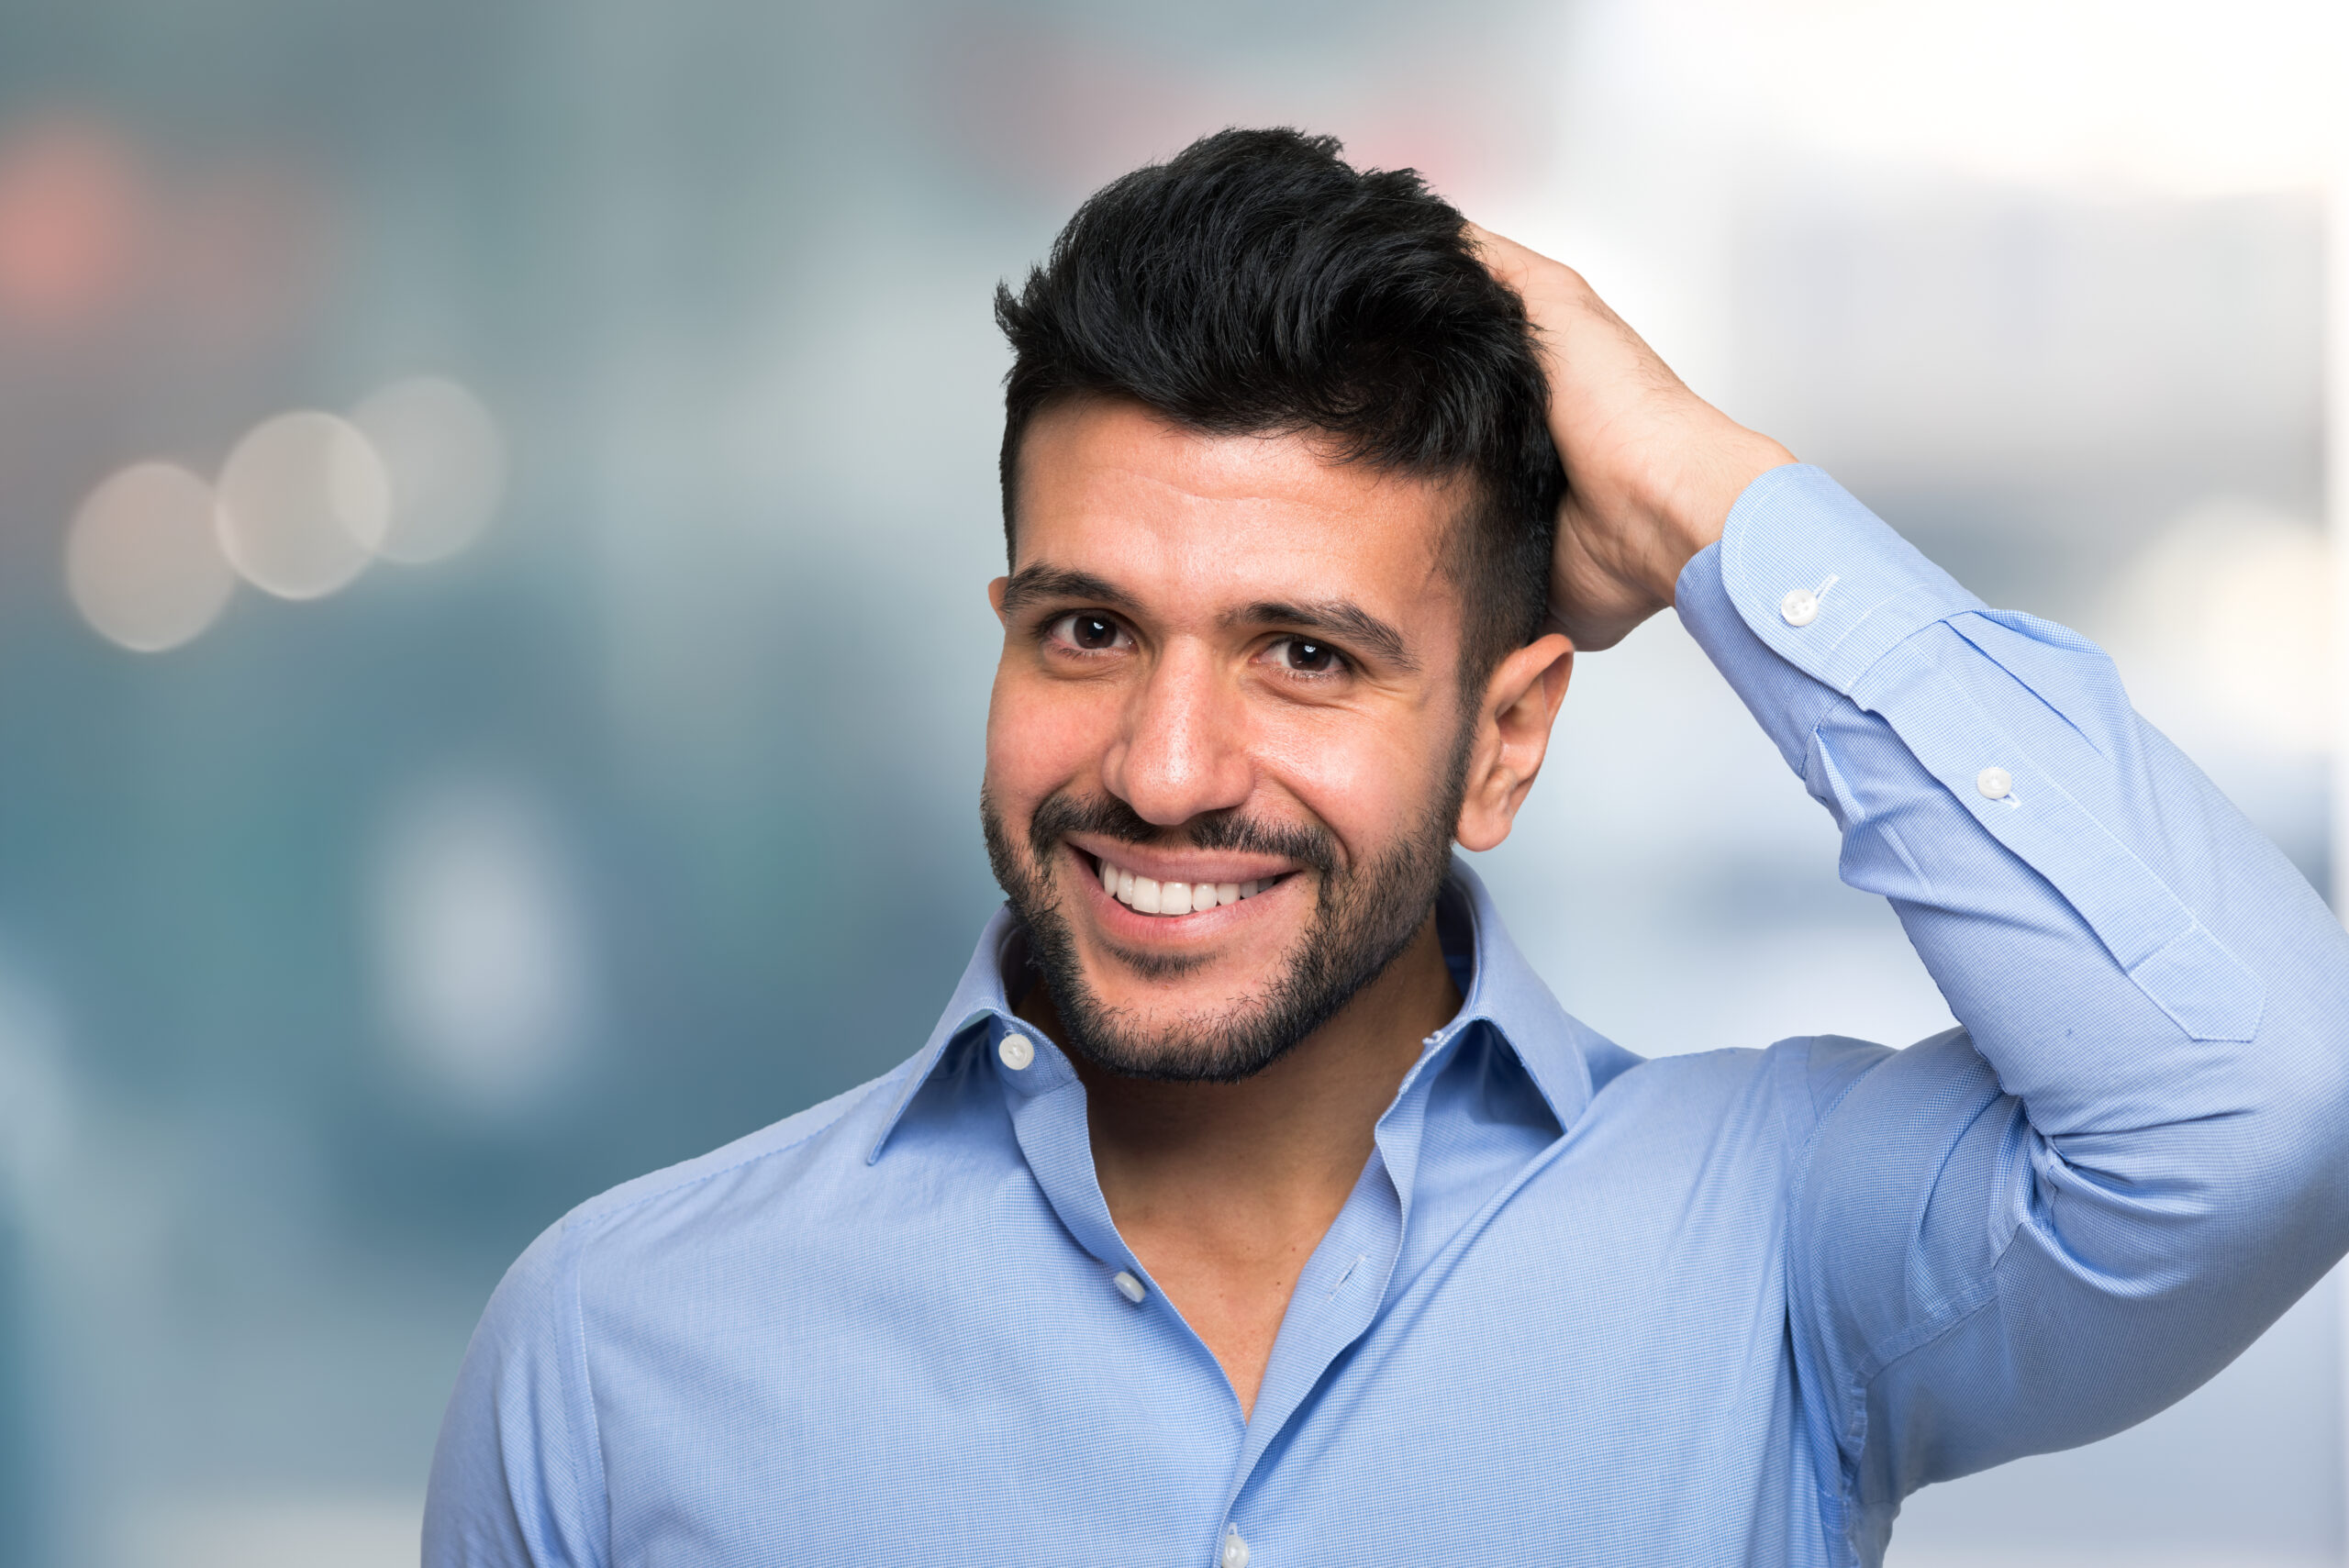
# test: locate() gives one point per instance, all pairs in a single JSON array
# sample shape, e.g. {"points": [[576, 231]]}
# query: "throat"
{"points": [[1224, 1191], [1231, 1282]]}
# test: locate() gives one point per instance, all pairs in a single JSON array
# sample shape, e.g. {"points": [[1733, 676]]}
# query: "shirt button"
{"points": [[1016, 1052], [1130, 1287], [1799, 608], [1994, 782], [1235, 1550]]}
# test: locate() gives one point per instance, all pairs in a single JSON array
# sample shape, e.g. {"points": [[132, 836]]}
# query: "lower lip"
{"points": [[1126, 920]]}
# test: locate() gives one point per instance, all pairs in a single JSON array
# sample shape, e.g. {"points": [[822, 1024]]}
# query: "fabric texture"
{"points": [[1581, 1306]]}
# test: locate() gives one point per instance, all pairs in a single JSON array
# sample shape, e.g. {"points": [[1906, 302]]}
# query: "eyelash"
{"points": [[1340, 664], [1047, 631]]}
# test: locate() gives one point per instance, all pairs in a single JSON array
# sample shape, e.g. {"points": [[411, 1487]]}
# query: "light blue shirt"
{"points": [[1581, 1306]]}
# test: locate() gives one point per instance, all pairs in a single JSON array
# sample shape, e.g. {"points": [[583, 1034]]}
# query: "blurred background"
{"points": [[494, 505]]}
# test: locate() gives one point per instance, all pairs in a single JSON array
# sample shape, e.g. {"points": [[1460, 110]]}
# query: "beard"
{"points": [[1364, 918]]}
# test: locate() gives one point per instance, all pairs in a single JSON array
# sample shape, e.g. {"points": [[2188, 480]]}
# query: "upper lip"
{"points": [[1162, 865]]}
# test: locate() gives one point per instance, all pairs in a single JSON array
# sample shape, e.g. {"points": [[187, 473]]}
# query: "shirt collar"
{"points": [[1503, 991]]}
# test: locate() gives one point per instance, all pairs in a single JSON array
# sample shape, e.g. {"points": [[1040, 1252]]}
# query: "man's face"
{"points": [[1230, 666]]}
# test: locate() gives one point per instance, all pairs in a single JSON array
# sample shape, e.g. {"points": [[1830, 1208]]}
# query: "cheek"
{"points": [[1042, 735], [1366, 777]]}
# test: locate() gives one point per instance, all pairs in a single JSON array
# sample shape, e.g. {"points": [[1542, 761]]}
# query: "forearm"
{"points": [[2156, 993], [1990, 779]]}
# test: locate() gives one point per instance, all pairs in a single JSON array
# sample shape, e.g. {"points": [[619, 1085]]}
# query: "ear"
{"points": [[1512, 737], [995, 595]]}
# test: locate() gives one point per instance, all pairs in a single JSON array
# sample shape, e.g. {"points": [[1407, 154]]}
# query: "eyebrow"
{"points": [[1344, 620], [1030, 583]]}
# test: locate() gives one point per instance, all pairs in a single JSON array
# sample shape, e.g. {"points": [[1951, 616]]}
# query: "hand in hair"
{"points": [[1651, 469]]}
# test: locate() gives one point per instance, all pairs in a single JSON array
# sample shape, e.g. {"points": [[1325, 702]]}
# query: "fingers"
{"points": [[1654, 468], [1563, 307], [1543, 284], [1541, 279], [1510, 261], [1505, 258]]}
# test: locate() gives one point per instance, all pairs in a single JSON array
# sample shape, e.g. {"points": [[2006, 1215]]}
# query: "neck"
{"points": [[1223, 1190]]}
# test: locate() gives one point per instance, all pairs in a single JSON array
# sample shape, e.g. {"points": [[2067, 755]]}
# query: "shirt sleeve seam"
{"points": [[1819, 1113], [1877, 1360], [592, 1451], [579, 1232], [1955, 1314]]}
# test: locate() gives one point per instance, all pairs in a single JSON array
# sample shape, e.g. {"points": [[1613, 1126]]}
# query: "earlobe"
{"points": [[1513, 728]]}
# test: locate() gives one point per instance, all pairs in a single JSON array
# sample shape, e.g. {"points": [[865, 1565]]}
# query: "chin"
{"points": [[1217, 1021]]}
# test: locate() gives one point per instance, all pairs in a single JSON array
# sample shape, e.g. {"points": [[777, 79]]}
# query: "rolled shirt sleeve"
{"points": [[2128, 1159]]}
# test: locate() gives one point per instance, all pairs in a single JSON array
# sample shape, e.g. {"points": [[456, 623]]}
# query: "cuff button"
{"points": [[1799, 608]]}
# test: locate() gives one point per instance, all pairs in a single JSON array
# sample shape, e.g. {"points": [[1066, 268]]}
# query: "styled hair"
{"points": [[1257, 283]]}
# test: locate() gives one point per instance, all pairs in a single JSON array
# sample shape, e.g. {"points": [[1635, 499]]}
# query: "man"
{"points": [[1253, 1202]]}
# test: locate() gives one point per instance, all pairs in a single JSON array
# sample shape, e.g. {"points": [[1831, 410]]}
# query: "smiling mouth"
{"points": [[1146, 895]]}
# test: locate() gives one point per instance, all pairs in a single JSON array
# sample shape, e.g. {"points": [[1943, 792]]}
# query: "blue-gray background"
{"points": [[346, 946]]}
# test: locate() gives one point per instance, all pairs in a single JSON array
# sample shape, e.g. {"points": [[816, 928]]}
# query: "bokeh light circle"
{"points": [[446, 461], [142, 557], [304, 504]]}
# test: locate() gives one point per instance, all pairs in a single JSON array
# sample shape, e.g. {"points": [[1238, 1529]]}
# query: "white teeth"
{"points": [[1152, 898]]}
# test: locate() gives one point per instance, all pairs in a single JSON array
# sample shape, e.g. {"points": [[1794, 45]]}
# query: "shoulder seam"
{"points": [[575, 1232], [592, 1454]]}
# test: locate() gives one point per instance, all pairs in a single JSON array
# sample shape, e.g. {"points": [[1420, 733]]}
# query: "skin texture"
{"points": [[1218, 565]]}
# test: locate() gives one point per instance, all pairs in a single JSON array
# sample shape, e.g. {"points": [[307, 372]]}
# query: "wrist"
{"points": [[1690, 505]]}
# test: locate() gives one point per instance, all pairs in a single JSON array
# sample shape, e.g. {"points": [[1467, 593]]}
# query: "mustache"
{"points": [[1059, 814]]}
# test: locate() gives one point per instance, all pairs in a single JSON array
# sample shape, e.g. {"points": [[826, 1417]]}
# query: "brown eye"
{"points": [[1303, 656], [1091, 633]]}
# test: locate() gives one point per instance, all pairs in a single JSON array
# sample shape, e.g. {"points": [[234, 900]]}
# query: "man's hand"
{"points": [[1651, 469]]}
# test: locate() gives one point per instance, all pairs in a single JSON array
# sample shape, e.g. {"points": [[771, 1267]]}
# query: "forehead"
{"points": [[1108, 488]]}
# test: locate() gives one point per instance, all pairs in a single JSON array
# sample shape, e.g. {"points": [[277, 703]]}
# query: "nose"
{"points": [[1181, 750]]}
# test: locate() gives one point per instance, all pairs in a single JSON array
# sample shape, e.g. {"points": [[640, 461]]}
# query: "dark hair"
{"points": [[1257, 283]]}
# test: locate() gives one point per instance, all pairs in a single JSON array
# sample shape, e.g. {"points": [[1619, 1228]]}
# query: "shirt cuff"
{"points": [[1822, 581]]}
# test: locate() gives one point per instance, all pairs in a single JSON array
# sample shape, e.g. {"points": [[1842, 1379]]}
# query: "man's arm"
{"points": [[517, 1476], [2135, 1153]]}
